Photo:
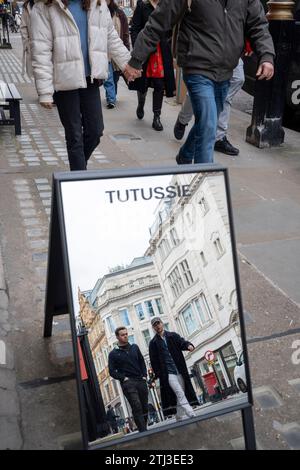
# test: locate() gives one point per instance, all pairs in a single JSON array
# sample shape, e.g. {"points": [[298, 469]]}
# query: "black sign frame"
{"points": [[59, 291]]}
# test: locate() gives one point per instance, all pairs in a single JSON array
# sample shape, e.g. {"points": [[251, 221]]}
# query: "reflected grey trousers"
{"points": [[184, 409], [236, 83]]}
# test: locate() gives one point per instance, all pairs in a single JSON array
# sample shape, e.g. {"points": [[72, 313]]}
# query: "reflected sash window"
{"points": [[110, 324], [189, 319], [147, 337], [176, 282], [159, 306], [203, 205], [186, 272], [149, 308], [219, 247], [131, 339], [203, 309], [124, 316], [174, 237], [140, 312], [164, 248]]}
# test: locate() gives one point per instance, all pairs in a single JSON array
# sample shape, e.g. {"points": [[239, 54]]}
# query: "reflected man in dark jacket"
{"points": [[127, 365], [169, 366]]}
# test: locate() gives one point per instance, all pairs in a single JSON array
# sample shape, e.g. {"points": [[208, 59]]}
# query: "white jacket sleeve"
{"points": [[24, 29], [42, 49], [116, 49]]}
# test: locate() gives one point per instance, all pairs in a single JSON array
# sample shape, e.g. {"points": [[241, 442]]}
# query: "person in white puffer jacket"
{"points": [[25, 30], [71, 40]]}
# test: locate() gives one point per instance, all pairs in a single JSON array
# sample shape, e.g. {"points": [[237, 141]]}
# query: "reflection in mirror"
{"points": [[155, 301]]}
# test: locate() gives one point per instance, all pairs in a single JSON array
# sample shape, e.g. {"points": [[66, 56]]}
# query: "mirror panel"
{"points": [[153, 255]]}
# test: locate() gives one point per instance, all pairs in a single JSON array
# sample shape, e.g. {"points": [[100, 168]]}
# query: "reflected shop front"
{"points": [[151, 265]]}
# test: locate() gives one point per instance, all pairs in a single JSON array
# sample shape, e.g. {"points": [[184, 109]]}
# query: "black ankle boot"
{"points": [[141, 103], [157, 125]]}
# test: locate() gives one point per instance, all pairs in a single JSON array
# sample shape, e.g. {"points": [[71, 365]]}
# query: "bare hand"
{"points": [[131, 73], [47, 105], [265, 70], [191, 348]]}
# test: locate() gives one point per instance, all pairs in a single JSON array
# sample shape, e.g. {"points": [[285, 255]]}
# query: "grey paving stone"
{"points": [[267, 397], [295, 383], [292, 436], [31, 159], [46, 202], [34, 232], [28, 212], [7, 379], [63, 350], [30, 222], [61, 324], [42, 272], [22, 188], [23, 196], [44, 187], [38, 244], [41, 181], [9, 403], [239, 444], [10, 436], [45, 195], [3, 300], [228, 417], [3, 315], [39, 256], [25, 203]]}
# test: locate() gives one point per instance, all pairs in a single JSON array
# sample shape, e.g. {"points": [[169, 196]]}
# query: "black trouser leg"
{"points": [[141, 104], [68, 105], [117, 75], [92, 119], [158, 95], [143, 395], [137, 399]]}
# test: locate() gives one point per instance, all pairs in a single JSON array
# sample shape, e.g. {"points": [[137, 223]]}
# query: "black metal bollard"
{"points": [[266, 127]]}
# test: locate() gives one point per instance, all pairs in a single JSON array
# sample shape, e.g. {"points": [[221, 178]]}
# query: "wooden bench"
{"points": [[10, 100]]}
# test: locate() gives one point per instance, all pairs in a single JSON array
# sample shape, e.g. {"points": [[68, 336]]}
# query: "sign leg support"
{"points": [[249, 431]]}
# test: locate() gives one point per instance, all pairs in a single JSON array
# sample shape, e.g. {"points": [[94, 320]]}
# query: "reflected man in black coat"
{"points": [[170, 368]]}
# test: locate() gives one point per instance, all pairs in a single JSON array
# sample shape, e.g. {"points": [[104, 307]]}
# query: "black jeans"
{"points": [[136, 392], [80, 113]]}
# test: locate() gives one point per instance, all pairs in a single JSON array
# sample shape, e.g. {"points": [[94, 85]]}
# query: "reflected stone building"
{"points": [[191, 249], [129, 297]]}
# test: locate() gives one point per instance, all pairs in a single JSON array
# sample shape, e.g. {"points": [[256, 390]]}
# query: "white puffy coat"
{"points": [[25, 30], [57, 59]]}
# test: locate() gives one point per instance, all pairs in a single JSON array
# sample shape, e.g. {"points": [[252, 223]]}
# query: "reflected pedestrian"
{"points": [[169, 366], [127, 365]]}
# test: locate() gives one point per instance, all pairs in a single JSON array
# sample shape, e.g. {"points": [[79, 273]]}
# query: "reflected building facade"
{"points": [[128, 297]]}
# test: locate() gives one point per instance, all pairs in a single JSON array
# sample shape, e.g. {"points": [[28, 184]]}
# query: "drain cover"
{"points": [[125, 137]]}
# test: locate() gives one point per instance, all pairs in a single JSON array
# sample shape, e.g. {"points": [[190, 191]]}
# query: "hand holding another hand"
{"points": [[131, 73], [47, 105], [265, 70]]}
